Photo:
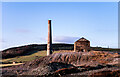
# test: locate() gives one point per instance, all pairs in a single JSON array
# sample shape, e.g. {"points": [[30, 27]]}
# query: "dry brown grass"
{"points": [[5, 65]]}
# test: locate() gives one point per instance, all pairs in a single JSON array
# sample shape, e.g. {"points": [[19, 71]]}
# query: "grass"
{"points": [[22, 59], [6, 65], [25, 58], [28, 57]]}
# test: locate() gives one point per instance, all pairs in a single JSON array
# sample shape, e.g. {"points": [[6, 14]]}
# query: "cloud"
{"points": [[22, 31], [43, 38], [2, 41], [65, 39]]}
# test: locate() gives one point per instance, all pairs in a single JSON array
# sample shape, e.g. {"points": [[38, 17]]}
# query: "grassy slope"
{"points": [[22, 58], [25, 58]]}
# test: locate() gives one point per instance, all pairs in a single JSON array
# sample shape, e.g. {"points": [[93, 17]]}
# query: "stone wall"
{"points": [[81, 46]]}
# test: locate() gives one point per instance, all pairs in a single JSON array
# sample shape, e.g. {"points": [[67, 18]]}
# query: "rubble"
{"points": [[67, 63]]}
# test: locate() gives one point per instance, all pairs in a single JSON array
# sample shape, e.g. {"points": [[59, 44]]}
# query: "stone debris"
{"points": [[67, 63]]}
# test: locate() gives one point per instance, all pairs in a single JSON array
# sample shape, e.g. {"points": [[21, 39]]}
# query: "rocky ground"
{"points": [[94, 63]]}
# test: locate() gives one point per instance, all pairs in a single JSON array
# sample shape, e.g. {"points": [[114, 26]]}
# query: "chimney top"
{"points": [[49, 21]]}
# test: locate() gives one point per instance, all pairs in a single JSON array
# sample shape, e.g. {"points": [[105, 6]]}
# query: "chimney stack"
{"points": [[49, 44]]}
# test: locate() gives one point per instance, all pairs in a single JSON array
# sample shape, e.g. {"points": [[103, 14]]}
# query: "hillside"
{"points": [[23, 50], [29, 49], [69, 63], [27, 57], [31, 60]]}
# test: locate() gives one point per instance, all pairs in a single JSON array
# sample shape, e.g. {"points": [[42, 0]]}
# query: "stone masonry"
{"points": [[49, 44], [82, 45]]}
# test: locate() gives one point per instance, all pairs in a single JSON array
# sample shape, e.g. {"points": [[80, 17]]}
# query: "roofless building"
{"points": [[82, 45]]}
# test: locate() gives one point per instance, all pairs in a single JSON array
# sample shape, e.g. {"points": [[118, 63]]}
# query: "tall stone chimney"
{"points": [[49, 44]]}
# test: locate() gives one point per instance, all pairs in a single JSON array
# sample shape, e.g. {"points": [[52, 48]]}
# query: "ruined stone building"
{"points": [[82, 45]]}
